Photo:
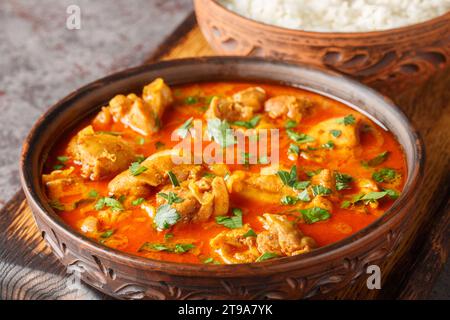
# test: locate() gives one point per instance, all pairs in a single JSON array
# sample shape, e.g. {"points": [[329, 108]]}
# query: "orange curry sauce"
{"points": [[138, 227]]}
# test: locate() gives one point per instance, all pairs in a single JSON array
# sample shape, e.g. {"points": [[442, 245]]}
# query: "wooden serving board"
{"points": [[29, 270]]}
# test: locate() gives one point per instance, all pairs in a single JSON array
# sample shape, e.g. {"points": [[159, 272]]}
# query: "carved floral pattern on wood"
{"points": [[381, 60]]}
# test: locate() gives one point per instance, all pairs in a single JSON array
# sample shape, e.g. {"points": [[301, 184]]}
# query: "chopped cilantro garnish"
{"points": [[328, 145], [336, 133], [249, 233], [107, 234], [55, 204], [315, 214], [379, 159], [221, 132], [191, 100], [290, 124], [165, 217], [112, 203], [252, 123], [137, 201], [299, 137], [384, 175], [293, 148], [233, 222], [171, 197], [289, 200], [266, 256], [136, 169], [319, 190], [184, 129], [342, 181], [288, 178], [173, 179], [347, 120], [304, 196], [93, 194]]}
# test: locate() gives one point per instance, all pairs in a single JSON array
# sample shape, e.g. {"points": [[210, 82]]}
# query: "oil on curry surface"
{"points": [[113, 178]]}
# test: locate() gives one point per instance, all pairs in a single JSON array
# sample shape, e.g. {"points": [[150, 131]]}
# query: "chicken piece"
{"points": [[135, 113], [89, 225], [366, 185], [109, 217], [233, 247], [345, 136], [287, 106], [282, 237], [254, 186], [321, 202], [200, 199], [142, 115], [156, 174], [116, 241], [158, 95], [324, 178], [60, 183], [228, 109], [100, 155], [253, 97]]}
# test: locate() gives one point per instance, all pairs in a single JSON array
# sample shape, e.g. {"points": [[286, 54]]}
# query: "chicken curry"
{"points": [[114, 180]]}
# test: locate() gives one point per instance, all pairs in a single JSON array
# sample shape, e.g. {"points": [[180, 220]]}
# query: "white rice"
{"points": [[339, 15]]}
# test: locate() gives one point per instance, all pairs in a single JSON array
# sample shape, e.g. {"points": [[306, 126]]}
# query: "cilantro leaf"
{"points": [[184, 129], [266, 256], [293, 148], [336, 133], [249, 233], [93, 193], [107, 234], [233, 222], [191, 100], [319, 190], [252, 123], [379, 159], [288, 178], [288, 200], [315, 214], [304, 196], [173, 179], [55, 204], [328, 145], [221, 132], [290, 124], [347, 120], [299, 137], [138, 201], [136, 169], [171, 197], [342, 181], [165, 217], [112, 203], [384, 175]]}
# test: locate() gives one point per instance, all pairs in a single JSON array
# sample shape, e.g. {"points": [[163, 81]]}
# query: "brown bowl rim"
{"points": [[348, 244], [297, 32]]}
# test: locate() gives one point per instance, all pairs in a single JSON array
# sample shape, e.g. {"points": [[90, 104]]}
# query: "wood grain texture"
{"points": [[28, 270]]}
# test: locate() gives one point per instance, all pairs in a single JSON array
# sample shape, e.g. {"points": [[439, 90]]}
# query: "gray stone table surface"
{"points": [[41, 61]]}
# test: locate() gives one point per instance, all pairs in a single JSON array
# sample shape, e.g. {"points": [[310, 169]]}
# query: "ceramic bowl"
{"points": [[390, 59], [126, 276]]}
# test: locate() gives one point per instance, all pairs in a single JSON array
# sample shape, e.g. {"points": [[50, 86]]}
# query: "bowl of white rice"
{"points": [[376, 41]]}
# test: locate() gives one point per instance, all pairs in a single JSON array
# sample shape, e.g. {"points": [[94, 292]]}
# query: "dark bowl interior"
{"points": [[83, 102]]}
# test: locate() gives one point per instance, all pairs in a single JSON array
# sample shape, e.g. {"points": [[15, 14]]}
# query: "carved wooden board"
{"points": [[28, 269]]}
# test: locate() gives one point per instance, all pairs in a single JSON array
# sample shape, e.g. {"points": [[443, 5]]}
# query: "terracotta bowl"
{"points": [[382, 59], [131, 277]]}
